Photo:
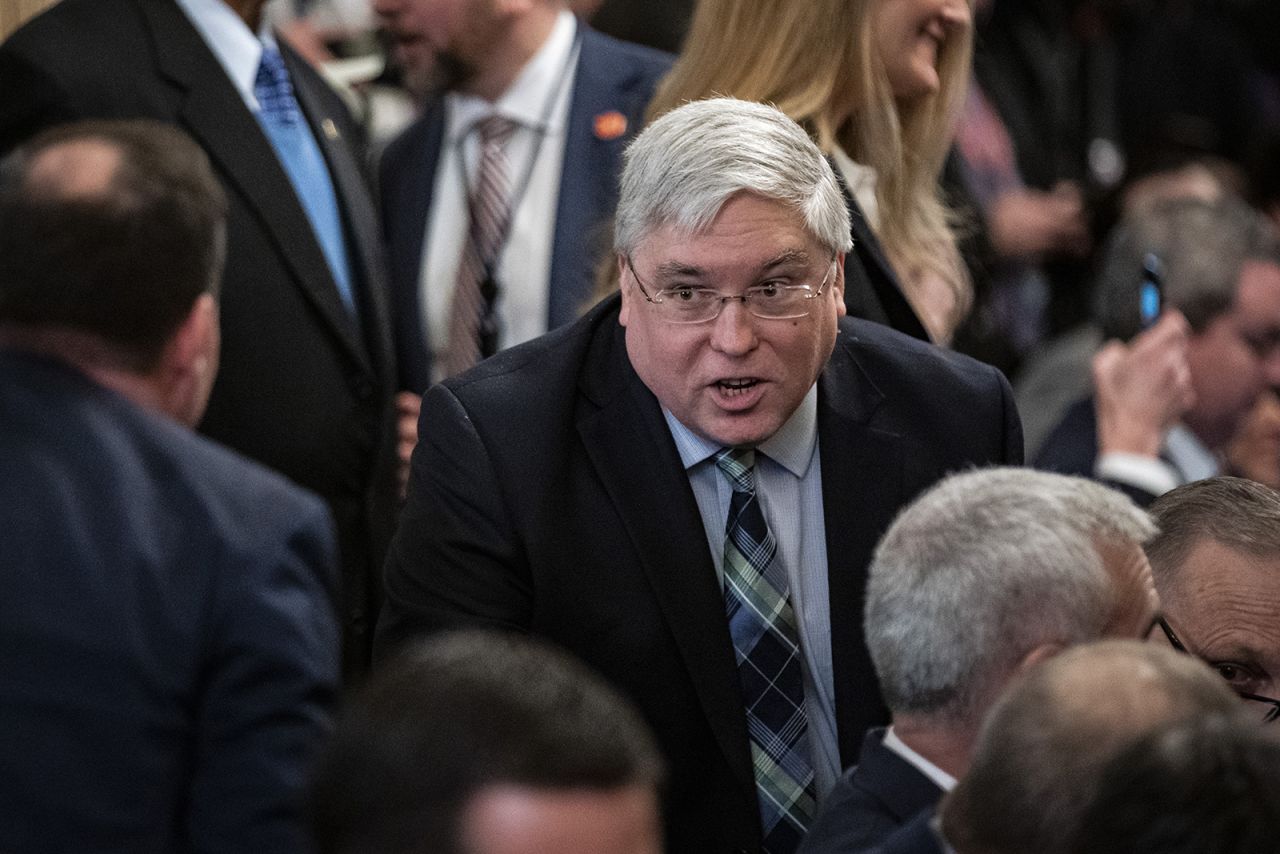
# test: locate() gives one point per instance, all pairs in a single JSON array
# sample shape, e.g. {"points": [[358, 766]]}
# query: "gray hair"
{"points": [[1201, 246], [686, 165], [1242, 515], [980, 570]]}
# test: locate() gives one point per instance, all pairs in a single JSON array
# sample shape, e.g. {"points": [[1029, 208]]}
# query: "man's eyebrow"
{"points": [[1233, 650], [671, 269], [677, 268], [789, 256]]}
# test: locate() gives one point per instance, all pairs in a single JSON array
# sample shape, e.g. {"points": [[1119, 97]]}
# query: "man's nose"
{"points": [[733, 331]]}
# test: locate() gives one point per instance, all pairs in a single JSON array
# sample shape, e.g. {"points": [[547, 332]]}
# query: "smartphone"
{"points": [[1150, 290]]}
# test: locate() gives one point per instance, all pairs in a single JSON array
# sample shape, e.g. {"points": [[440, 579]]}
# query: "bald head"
{"points": [[78, 170], [1041, 750], [109, 232]]}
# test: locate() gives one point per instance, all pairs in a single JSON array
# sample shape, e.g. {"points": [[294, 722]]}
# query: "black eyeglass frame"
{"points": [[1176, 643]]}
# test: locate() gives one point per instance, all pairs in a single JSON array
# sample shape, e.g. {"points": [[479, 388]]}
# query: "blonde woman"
{"points": [[877, 83]]}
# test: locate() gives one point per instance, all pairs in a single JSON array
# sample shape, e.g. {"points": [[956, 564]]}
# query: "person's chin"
{"points": [[739, 430], [429, 77]]}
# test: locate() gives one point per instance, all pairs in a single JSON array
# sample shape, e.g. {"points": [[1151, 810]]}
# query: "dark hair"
{"points": [[1040, 751], [1241, 514], [1202, 247], [456, 715], [1209, 786], [121, 256]]}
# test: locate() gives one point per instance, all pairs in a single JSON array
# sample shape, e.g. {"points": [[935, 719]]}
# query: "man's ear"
{"points": [[837, 285], [627, 292], [190, 362], [1044, 652]]}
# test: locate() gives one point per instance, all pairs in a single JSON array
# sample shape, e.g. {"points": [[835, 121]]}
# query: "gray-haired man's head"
{"points": [[990, 567]]}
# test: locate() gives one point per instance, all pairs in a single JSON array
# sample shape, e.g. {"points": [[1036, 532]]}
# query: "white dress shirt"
{"points": [[523, 271], [229, 38], [941, 779]]}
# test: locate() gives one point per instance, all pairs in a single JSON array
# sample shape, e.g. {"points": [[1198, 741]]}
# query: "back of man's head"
{"points": [[988, 567], [468, 714], [1202, 247], [109, 233], [1042, 748], [1205, 786]]}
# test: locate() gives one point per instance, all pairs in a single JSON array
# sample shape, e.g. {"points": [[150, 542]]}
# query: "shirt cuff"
{"points": [[1145, 473]]}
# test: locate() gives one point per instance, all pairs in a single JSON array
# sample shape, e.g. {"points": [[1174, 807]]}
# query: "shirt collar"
{"points": [[944, 781], [790, 447], [525, 100], [1193, 460], [237, 49]]}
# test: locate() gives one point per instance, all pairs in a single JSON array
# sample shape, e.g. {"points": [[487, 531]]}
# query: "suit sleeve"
{"points": [[456, 559], [270, 687], [1013, 451]]}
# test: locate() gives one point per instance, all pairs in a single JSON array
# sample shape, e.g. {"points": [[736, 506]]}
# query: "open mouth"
{"points": [[736, 387]]}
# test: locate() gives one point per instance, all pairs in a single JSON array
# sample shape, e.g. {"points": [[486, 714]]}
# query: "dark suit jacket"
{"points": [[547, 496], [917, 836], [168, 642], [303, 388], [1072, 448], [872, 800], [611, 76]]}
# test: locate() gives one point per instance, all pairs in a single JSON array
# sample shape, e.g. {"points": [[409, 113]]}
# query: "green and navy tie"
{"points": [[766, 642]]}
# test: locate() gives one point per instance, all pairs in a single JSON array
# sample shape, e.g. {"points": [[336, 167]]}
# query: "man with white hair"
{"points": [[578, 487], [981, 577]]}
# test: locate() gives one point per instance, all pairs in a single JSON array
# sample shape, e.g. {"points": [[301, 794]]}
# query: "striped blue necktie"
{"points": [[281, 119], [766, 642]]}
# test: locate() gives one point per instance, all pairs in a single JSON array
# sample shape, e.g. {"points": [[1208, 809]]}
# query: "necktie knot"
{"points": [[273, 90], [495, 130], [739, 465]]}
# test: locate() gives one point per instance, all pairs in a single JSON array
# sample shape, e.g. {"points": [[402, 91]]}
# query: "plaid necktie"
{"points": [[766, 641], [490, 215], [282, 121]]}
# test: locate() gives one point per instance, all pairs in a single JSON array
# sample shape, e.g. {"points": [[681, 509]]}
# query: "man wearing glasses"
{"points": [[684, 488], [1216, 563]]}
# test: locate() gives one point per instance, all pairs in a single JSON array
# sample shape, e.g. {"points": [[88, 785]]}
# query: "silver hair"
{"points": [[685, 166], [1201, 246], [982, 569]]}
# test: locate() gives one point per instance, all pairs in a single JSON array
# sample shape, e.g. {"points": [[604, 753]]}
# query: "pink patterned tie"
{"points": [[490, 205]]}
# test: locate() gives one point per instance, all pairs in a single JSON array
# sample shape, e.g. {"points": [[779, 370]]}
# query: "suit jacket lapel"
{"points": [[213, 112], [861, 484], [406, 200], [588, 178], [635, 457], [349, 183]]}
